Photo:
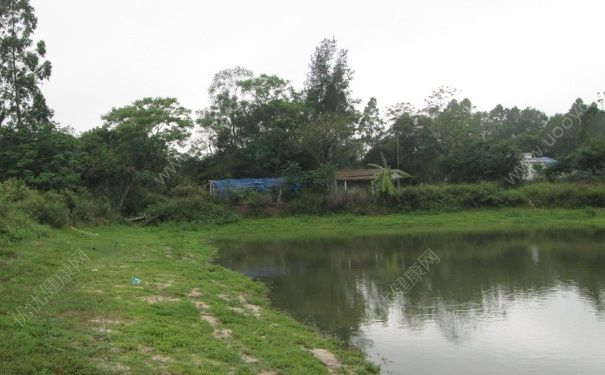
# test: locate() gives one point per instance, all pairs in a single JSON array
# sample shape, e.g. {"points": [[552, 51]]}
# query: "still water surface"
{"points": [[531, 303]]}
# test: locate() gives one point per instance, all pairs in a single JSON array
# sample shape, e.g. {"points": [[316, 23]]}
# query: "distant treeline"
{"points": [[261, 126]]}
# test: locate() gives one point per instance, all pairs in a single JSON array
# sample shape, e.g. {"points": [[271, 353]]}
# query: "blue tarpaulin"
{"points": [[260, 185]]}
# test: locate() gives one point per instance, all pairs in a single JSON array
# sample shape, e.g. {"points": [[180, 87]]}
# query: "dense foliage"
{"points": [[259, 125]]}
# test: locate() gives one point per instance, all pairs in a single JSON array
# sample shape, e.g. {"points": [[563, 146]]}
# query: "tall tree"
{"points": [[133, 147], [22, 66], [329, 140], [250, 123], [327, 86], [221, 122], [371, 125], [328, 136], [439, 99]]}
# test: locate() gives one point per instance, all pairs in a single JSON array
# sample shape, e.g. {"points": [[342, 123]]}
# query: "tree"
{"points": [[410, 144], [523, 127], [328, 135], [438, 100], [589, 158], [251, 123], [456, 124], [383, 181], [480, 161], [47, 158], [162, 120], [565, 133], [132, 148], [327, 87], [371, 125], [235, 96], [22, 68], [329, 140]]}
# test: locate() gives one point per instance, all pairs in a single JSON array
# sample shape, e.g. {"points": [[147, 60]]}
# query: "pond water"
{"points": [[531, 303]]}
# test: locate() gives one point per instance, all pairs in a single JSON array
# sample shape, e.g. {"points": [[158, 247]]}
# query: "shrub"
{"points": [[188, 191], [16, 225], [86, 208], [428, 198], [55, 209], [191, 209], [562, 195], [440, 198], [476, 195], [317, 181], [307, 203], [257, 204], [45, 208], [357, 202]]}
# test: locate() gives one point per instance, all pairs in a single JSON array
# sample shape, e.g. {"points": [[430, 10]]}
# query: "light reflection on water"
{"points": [[497, 304]]}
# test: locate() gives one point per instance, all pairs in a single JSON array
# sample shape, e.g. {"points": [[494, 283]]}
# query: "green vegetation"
{"points": [[187, 316], [30, 213], [148, 163], [259, 125], [447, 198], [27, 213], [190, 315], [494, 220]]}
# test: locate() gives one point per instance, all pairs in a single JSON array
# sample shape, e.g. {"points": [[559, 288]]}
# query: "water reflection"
{"points": [[485, 290]]}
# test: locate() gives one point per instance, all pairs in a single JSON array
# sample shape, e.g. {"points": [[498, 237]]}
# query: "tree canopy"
{"points": [[260, 125]]}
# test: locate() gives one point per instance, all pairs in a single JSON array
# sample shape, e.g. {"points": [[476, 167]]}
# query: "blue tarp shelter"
{"points": [[222, 188]]}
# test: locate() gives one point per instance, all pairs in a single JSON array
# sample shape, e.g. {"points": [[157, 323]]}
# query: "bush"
{"points": [[557, 195], [188, 191], [441, 198], [191, 209], [23, 207], [15, 222], [428, 198], [450, 197], [45, 208], [15, 225], [307, 203], [257, 204], [317, 181], [86, 208], [358, 202]]}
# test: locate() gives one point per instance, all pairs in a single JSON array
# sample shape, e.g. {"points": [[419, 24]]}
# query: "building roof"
{"points": [[546, 160], [529, 158], [356, 174]]}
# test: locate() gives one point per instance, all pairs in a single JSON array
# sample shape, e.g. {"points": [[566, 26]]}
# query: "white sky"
{"points": [[539, 53]]}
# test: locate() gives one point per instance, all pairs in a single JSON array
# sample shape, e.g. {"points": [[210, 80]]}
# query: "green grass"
{"points": [[100, 323], [486, 220]]}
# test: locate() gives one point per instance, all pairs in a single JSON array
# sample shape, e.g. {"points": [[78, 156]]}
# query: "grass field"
{"points": [[67, 304]]}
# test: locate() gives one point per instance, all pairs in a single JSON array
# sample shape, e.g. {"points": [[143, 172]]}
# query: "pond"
{"points": [[515, 303]]}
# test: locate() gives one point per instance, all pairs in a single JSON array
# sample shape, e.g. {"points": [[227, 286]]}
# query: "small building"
{"points": [[532, 165], [360, 179]]}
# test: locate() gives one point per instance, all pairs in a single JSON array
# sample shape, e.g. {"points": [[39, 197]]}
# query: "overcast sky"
{"points": [[538, 53]]}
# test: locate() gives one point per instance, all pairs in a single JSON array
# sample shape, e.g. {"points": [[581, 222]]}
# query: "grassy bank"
{"points": [[507, 219], [189, 315]]}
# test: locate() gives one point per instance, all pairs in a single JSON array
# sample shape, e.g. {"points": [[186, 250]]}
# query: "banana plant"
{"points": [[383, 180]]}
